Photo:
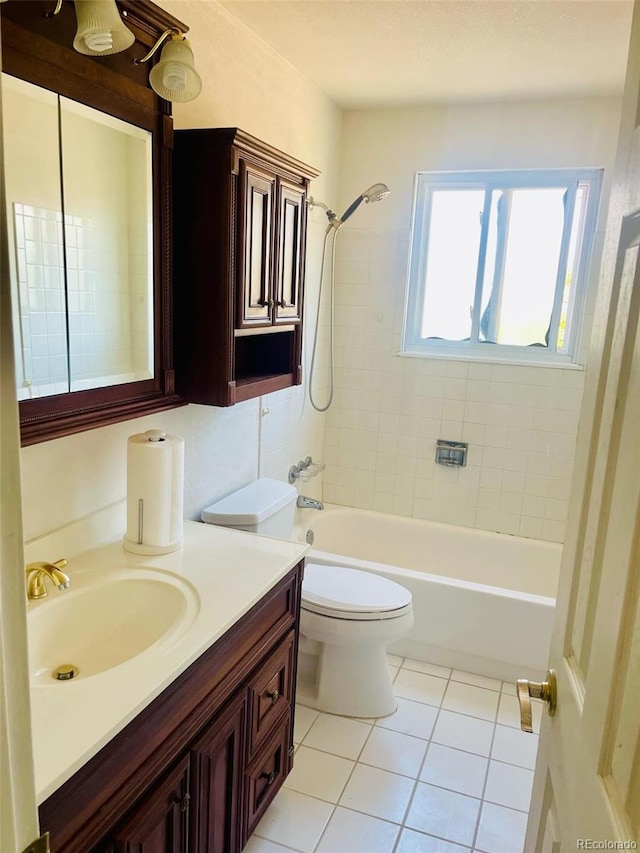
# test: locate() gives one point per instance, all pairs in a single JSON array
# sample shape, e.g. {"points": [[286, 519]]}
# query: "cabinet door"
{"points": [[256, 202], [159, 824], [216, 780], [288, 281]]}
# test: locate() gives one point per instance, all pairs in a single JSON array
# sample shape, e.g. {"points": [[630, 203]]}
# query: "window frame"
{"points": [[425, 183]]}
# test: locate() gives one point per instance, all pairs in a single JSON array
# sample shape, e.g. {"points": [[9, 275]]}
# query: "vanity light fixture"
{"points": [[174, 78], [101, 31]]}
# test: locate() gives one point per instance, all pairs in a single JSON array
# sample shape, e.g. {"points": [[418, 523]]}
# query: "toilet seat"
{"points": [[338, 592]]}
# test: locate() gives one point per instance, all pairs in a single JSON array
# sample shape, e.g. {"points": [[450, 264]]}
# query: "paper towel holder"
{"points": [[141, 494]]}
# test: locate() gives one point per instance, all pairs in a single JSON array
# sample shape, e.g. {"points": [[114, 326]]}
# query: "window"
{"points": [[499, 263]]}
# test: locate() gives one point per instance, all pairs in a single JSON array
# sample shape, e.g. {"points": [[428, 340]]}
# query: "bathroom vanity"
{"points": [[183, 747]]}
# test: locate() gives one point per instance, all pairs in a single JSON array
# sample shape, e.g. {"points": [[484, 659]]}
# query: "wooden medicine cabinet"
{"points": [[240, 220], [87, 161]]}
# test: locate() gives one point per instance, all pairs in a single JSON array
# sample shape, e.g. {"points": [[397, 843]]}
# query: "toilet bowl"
{"points": [[347, 619], [352, 616]]}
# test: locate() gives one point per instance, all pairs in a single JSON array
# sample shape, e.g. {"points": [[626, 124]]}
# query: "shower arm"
{"points": [[312, 202]]}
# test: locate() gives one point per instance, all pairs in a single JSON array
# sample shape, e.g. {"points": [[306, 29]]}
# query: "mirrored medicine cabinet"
{"points": [[87, 164]]}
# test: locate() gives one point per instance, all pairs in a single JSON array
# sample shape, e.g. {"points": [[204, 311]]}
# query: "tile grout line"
{"points": [[424, 758], [486, 778], [348, 779]]}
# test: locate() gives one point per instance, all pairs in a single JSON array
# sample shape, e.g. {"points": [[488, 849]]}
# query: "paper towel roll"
{"points": [[155, 486]]}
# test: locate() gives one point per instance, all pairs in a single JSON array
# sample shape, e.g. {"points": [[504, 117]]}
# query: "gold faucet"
{"points": [[36, 573]]}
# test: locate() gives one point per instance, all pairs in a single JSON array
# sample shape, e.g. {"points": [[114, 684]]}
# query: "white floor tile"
{"points": [[337, 735], [368, 768], [515, 747], [261, 845], [352, 832], [509, 712], [501, 830], [394, 751], [417, 842], [394, 670], [395, 660], [476, 680], [509, 786], [411, 718], [378, 793], [318, 774], [462, 732], [474, 701], [420, 687], [294, 820], [443, 813], [304, 719], [428, 668], [459, 771]]}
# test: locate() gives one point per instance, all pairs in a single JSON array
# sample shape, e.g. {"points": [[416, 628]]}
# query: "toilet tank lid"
{"points": [[251, 504]]}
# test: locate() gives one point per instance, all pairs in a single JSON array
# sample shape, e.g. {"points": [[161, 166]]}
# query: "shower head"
{"points": [[375, 193]]}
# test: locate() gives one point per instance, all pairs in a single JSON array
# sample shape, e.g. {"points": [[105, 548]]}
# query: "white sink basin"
{"points": [[106, 618]]}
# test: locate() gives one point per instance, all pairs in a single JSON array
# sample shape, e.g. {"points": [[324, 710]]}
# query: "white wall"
{"points": [[520, 422], [245, 84]]}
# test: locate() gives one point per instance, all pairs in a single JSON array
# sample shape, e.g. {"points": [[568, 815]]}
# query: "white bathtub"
{"points": [[482, 601]]}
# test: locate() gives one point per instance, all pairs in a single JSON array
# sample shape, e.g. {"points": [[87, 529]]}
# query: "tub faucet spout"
{"points": [[308, 503]]}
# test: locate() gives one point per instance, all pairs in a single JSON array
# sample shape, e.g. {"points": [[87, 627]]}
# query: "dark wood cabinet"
{"points": [[216, 781], [160, 823], [240, 223], [37, 47], [197, 768]]}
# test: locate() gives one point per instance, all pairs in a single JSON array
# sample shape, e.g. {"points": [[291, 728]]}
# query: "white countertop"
{"points": [[228, 570]]}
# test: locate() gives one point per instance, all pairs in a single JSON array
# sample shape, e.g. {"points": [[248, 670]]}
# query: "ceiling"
{"points": [[368, 53]]}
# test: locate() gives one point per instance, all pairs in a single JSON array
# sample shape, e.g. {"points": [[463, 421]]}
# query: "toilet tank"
{"points": [[265, 506]]}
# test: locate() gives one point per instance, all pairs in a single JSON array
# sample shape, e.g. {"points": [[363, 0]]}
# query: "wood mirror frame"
{"points": [[39, 49]]}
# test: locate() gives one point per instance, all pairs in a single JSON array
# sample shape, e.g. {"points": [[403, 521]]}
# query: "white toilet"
{"points": [[348, 617]]}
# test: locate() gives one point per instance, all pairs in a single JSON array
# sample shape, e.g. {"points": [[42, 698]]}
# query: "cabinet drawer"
{"points": [[270, 692], [266, 773]]}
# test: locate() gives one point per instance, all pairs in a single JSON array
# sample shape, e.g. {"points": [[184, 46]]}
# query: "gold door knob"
{"points": [[527, 690]]}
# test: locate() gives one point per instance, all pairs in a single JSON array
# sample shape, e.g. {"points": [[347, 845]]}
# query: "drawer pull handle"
{"points": [[274, 696], [270, 777]]}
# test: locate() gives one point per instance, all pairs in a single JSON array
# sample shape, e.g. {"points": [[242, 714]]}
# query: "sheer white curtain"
{"points": [[18, 811]]}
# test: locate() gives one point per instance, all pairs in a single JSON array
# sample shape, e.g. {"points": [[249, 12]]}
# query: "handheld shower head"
{"points": [[376, 192]]}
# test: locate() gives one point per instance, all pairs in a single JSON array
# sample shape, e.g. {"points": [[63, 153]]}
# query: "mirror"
{"points": [[80, 243], [87, 150]]}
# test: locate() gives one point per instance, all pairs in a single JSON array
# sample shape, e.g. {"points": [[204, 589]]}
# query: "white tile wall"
{"points": [[520, 422]]}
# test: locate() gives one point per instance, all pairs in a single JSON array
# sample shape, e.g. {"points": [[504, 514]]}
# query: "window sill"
{"points": [[453, 355]]}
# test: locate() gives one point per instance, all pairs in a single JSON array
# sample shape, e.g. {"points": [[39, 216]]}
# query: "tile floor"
{"points": [[449, 772]]}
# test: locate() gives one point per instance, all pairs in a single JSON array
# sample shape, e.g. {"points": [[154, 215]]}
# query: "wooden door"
{"points": [[159, 824], [256, 212], [216, 773], [289, 255], [587, 783]]}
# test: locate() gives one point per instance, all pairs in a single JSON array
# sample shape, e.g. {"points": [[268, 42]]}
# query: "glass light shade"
{"points": [[100, 28], [174, 78]]}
